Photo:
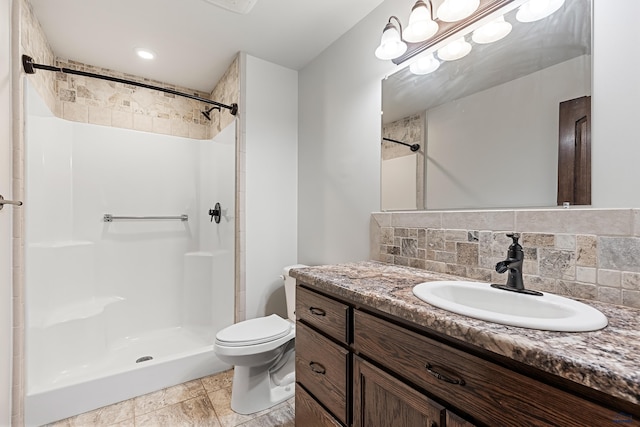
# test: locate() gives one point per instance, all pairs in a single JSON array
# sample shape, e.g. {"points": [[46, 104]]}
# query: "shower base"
{"points": [[130, 368]]}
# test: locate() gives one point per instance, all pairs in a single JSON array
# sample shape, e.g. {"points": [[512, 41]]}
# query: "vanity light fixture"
{"points": [[455, 10], [418, 39], [424, 64], [492, 32], [421, 27], [421, 24], [534, 10], [391, 43], [457, 49]]}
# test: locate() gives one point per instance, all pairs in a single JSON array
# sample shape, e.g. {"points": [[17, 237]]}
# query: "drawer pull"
{"points": [[317, 311], [317, 368], [444, 378]]}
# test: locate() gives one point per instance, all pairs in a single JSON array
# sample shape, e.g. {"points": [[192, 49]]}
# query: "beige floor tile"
{"points": [[221, 400], [168, 396], [281, 416], [217, 381], [120, 414], [190, 413]]}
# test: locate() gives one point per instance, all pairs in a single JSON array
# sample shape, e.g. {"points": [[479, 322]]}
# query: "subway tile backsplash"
{"points": [[578, 252]]}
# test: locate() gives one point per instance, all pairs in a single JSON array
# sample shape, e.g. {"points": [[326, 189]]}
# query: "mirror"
{"points": [[488, 124]]}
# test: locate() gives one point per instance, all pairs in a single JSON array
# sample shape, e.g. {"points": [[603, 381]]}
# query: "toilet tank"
{"points": [[290, 290]]}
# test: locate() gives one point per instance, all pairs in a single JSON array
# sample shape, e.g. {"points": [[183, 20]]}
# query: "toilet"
{"points": [[262, 351]]}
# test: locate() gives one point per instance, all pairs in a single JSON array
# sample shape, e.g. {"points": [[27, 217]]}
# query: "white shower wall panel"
{"points": [[100, 295], [128, 173]]}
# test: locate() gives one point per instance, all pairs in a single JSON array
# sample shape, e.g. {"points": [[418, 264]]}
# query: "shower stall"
{"points": [[128, 277]]}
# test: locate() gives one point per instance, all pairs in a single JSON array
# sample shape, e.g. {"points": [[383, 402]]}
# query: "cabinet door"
{"points": [[380, 400]]}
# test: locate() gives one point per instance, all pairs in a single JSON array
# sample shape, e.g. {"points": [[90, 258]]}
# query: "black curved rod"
{"points": [[30, 68], [413, 147]]}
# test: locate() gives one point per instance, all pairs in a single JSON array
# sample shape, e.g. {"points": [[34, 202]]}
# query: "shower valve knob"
{"points": [[216, 213]]}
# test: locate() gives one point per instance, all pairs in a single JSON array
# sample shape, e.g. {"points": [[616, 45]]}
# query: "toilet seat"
{"points": [[254, 331]]}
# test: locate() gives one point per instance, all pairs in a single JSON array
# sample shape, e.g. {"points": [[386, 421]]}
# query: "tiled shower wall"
{"points": [[95, 101], [584, 253]]}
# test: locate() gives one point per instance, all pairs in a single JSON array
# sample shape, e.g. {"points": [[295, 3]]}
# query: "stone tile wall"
{"points": [[90, 100], [583, 253]]}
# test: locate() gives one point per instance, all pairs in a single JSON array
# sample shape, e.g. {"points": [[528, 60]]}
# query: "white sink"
{"points": [[479, 300]]}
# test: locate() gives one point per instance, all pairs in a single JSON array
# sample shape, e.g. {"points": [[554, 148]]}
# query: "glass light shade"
{"points": [[454, 50], [492, 32], [421, 26], [391, 45], [534, 10], [424, 65], [455, 10]]}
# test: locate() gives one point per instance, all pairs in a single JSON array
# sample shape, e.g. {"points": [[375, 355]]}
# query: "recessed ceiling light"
{"points": [[145, 53]]}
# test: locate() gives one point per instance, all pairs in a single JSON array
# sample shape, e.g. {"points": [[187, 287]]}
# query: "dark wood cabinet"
{"points": [[363, 368], [323, 358], [381, 400], [309, 413]]}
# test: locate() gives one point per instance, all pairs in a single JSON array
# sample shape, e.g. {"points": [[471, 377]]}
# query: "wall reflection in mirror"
{"points": [[493, 125]]}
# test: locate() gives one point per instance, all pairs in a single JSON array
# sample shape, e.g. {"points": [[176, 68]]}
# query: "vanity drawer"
{"points": [[322, 368], [495, 395], [326, 314], [309, 413]]}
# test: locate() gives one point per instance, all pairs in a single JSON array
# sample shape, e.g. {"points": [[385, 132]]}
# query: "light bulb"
{"points": [[455, 10], [454, 50], [534, 10], [391, 46], [424, 65], [492, 32], [421, 26]]}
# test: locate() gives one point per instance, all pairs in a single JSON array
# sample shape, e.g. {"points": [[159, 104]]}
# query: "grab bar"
{"points": [[110, 218], [3, 202]]}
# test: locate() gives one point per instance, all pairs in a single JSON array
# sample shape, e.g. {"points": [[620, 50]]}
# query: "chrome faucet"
{"points": [[513, 264]]}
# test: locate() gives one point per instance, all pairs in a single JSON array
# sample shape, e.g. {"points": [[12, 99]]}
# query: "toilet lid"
{"points": [[255, 331]]}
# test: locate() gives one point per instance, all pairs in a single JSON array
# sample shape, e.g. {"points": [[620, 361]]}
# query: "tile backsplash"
{"points": [[584, 253]]}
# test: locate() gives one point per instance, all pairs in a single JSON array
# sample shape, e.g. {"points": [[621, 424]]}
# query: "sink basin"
{"points": [[479, 300]]}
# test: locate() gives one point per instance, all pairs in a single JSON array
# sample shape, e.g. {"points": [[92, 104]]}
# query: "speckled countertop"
{"points": [[607, 360]]}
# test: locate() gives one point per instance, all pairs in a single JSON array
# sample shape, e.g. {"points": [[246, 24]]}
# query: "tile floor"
{"points": [[202, 402]]}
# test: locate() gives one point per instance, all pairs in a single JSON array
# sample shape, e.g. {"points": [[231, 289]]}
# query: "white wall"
{"points": [[615, 106], [339, 139], [339, 142], [269, 104], [499, 147], [6, 347]]}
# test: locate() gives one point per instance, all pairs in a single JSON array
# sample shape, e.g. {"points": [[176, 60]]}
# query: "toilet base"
{"points": [[255, 389]]}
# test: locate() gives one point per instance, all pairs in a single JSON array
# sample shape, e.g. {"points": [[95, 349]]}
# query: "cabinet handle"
{"points": [[317, 368], [444, 378], [317, 311]]}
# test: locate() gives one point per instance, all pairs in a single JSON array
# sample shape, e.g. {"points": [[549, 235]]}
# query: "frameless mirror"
{"points": [[490, 124]]}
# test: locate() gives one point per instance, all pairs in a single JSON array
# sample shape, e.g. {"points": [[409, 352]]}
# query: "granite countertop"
{"points": [[607, 360]]}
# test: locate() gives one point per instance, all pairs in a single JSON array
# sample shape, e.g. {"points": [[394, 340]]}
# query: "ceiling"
{"points": [[194, 41]]}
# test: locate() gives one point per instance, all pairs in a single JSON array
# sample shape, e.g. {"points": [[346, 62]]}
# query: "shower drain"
{"points": [[143, 359]]}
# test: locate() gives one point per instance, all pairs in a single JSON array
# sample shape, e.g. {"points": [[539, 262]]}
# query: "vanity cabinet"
{"points": [[396, 373], [323, 359]]}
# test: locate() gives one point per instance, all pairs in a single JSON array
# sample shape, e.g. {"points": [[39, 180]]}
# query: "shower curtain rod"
{"points": [[414, 147], [30, 68]]}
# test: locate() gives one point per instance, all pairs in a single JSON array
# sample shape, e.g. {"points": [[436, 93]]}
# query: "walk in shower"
{"points": [[123, 305]]}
